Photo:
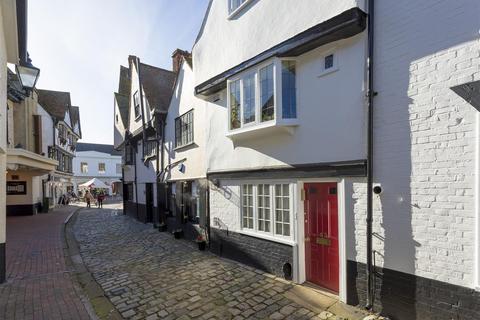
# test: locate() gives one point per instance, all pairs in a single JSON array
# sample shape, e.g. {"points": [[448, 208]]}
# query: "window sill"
{"points": [[185, 146], [327, 72], [264, 128], [232, 14], [268, 237]]}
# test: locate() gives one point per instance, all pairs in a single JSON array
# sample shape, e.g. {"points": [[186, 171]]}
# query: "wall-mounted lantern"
{"points": [[28, 74]]}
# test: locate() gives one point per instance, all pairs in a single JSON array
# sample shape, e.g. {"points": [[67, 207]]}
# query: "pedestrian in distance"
{"points": [[100, 199], [88, 198]]}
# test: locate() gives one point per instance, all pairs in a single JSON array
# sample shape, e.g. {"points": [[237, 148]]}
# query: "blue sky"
{"points": [[80, 45]]}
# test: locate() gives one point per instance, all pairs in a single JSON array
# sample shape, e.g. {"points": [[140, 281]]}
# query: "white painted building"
{"points": [[287, 114], [147, 90], [99, 161]]}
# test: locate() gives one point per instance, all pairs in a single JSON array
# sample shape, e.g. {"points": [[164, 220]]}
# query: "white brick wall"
{"points": [[424, 140], [225, 205]]}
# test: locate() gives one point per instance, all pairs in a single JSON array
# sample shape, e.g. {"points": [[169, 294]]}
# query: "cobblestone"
{"points": [[147, 274]]}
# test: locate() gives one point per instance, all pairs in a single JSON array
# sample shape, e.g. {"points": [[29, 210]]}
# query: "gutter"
{"points": [[370, 95]]}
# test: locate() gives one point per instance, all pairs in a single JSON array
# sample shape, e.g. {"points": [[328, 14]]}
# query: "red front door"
{"points": [[321, 235]]}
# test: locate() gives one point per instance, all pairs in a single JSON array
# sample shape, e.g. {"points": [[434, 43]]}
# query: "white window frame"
{"points": [[277, 94], [82, 165], [271, 235], [104, 167], [323, 71], [233, 12]]}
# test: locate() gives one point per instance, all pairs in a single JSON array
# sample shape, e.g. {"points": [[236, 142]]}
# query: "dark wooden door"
{"points": [[321, 235], [149, 201]]}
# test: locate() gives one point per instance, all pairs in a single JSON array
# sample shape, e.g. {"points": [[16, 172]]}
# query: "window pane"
{"points": [[289, 101], [266, 93], [329, 61], [282, 209], [235, 104], [249, 99], [247, 207], [263, 204]]}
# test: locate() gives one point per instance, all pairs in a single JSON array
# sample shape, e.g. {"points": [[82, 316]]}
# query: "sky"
{"points": [[79, 46]]}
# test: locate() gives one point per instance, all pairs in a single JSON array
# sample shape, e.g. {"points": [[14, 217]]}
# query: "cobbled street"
{"points": [[150, 275]]}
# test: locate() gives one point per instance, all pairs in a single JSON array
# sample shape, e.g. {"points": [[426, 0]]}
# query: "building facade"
{"points": [[184, 171], [66, 132], [140, 110], [290, 119], [29, 128], [99, 161], [13, 44]]}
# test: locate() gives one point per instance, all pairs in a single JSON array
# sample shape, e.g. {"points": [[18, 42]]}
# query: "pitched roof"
{"points": [[54, 102], [124, 81], [75, 117], [104, 148], [158, 85], [122, 102]]}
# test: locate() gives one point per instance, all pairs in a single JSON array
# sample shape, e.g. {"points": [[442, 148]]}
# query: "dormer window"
{"points": [[136, 104], [263, 96]]}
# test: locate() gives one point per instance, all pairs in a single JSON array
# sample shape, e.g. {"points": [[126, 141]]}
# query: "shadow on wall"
{"points": [[398, 72]]}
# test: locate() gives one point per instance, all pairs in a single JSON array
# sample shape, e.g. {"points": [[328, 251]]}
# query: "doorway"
{"points": [[321, 235], [149, 201]]}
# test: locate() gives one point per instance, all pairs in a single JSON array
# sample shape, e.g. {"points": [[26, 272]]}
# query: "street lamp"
{"points": [[28, 74]]}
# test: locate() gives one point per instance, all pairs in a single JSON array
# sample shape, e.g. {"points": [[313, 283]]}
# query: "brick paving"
{"points": [[150, 275], [39, 284]]}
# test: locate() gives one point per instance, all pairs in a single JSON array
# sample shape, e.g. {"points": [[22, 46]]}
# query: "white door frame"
{"points": [[301, 276]]}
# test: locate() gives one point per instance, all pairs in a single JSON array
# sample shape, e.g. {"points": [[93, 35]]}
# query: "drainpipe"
{"points": [[160, 162], [370, 94], [136, 184]]}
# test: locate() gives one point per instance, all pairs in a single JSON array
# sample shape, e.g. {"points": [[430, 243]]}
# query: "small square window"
{"points": [[329, 62], [101, 167]]}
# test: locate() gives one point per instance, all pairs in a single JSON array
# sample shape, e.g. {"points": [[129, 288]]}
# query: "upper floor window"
{"points": [[329, 63], [136, 104], [265, 94], [129, 155], [234, 5], [184, 129], [84, 167], [101, 167]]}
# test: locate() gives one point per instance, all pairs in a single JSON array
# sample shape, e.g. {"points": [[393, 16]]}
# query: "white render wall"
{"points": [[118, 126], [183, 100], [331, 122], [224, 43], [47, 129], [425, 140], [93, 158]]}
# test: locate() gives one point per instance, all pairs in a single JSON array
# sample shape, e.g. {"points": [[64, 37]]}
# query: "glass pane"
{"points": [[286, 230], [278, 228], [285, 190], [278, 189], [267, 226], [286, 216], [289, 101], [278, 202], [286, 203], [235, 104], [267, 214], [249, 99], [266, 93], [278, 215]]}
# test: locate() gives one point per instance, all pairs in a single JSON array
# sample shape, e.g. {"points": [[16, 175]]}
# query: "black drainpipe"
{"points": [[369, 220], [135, 149], [159, 160]]}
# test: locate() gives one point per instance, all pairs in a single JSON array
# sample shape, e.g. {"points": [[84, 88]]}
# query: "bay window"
{"points": [[264, 96], [266, 209]]}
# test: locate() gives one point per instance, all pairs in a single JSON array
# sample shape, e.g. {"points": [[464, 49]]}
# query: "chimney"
{"points": [[177, 58]]}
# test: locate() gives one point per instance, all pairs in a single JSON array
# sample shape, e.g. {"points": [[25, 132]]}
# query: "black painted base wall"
{"points": [[138, 211], [189, 231], [22, 210], [400, 295], [3, 263], [259, 253]]}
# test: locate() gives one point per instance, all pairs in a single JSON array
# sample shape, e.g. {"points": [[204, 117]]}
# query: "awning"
{"points": [[94, 183], [24, 160], [345, 25]]}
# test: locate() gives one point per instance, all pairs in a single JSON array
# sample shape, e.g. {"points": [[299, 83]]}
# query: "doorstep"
{"points": [[320, 301]]}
